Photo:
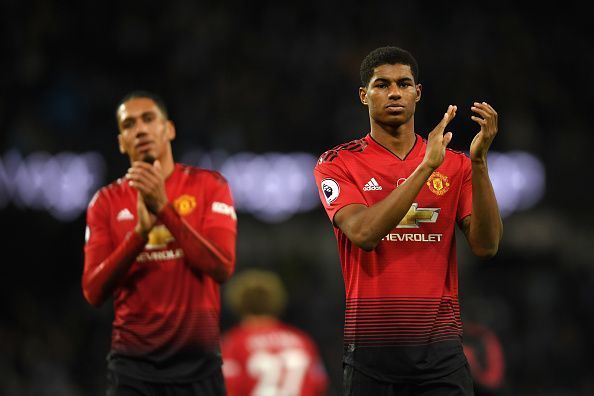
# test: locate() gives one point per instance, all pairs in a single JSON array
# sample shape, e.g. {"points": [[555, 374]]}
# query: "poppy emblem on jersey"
{"points": [[438, 183], [184, 204], [330, 189]]}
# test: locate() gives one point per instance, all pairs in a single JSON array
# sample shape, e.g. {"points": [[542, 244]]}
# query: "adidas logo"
{"points": [[125, 214], [372, 185]]}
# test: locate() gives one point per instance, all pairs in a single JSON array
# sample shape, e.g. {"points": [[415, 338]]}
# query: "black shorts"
{"points": [[458, 383], [122, 385]]}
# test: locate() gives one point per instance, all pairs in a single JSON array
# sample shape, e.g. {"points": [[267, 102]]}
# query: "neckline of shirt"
{"points": [[410, 155]]}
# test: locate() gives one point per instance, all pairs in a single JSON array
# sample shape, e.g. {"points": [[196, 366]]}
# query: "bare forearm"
{"points": [[486, 228], [100, 282], [201, 254], [368, 226]]}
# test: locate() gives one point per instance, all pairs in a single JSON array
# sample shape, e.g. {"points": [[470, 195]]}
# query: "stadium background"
{"points": [[265, 78]]}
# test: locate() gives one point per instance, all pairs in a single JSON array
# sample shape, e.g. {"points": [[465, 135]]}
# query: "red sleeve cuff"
{"points": [[134, 242], [168, 215]]}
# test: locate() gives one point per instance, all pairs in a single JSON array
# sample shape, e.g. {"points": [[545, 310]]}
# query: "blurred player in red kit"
{"points": [[160, 241], [262, 355], [394, 199], [486, 359]]}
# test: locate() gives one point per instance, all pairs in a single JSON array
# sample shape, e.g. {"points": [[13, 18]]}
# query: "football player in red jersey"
{"points": [[159, 242], [263, 355], [394, 199]]}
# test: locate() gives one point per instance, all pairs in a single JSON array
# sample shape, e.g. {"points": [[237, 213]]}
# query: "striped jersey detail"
{"points": [[354, 145], [167, 334], [404, 321]]}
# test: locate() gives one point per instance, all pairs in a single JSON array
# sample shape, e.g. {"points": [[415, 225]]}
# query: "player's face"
{"points": [[391, 94], [144, 131]]}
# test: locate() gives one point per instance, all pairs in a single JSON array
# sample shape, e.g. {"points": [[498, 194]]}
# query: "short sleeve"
{"points": [[335, 187]]}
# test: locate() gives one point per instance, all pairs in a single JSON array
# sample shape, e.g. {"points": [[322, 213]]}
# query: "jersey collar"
{"points": [[413, 153]]}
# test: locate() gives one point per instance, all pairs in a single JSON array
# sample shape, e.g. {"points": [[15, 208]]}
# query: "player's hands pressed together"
{"points": [[437, 140], [150, 182], [146, 220], [486, 117]]}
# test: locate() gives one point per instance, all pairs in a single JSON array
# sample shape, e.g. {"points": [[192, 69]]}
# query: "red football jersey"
{"points": [[402, 315], [165, 313], [272, 358]]}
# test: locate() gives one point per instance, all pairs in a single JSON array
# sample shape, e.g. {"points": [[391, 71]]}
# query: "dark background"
{"points": [[266, 76]]}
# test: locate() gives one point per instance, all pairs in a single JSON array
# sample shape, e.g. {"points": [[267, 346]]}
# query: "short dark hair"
{"points": [[387, 55], [145, 94]]}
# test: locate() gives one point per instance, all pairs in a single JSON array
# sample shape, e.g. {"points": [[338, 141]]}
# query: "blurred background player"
{"points": [[160, 241], [262, 355], [485, 355]]}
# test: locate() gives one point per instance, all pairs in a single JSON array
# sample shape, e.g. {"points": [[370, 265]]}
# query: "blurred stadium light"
{"points": [[61, 184], [518, 180], [270, 186]]}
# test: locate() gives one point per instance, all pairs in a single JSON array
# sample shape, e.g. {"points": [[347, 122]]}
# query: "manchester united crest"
{"points": [[438, 183], [184, 204]]}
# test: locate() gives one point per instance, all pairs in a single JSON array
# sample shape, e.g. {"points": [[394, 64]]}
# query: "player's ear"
{"points": [[419, 90], [170, 130], [363, 95], [121, 144]]}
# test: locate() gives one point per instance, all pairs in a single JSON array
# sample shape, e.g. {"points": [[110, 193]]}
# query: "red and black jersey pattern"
{"points": [[172, 331], [402, 318], [166, 314], [354, 146], [411, 321]]}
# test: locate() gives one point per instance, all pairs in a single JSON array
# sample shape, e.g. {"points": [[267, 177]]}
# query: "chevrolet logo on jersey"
{"points": [[159, 237], [416, 215]]}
